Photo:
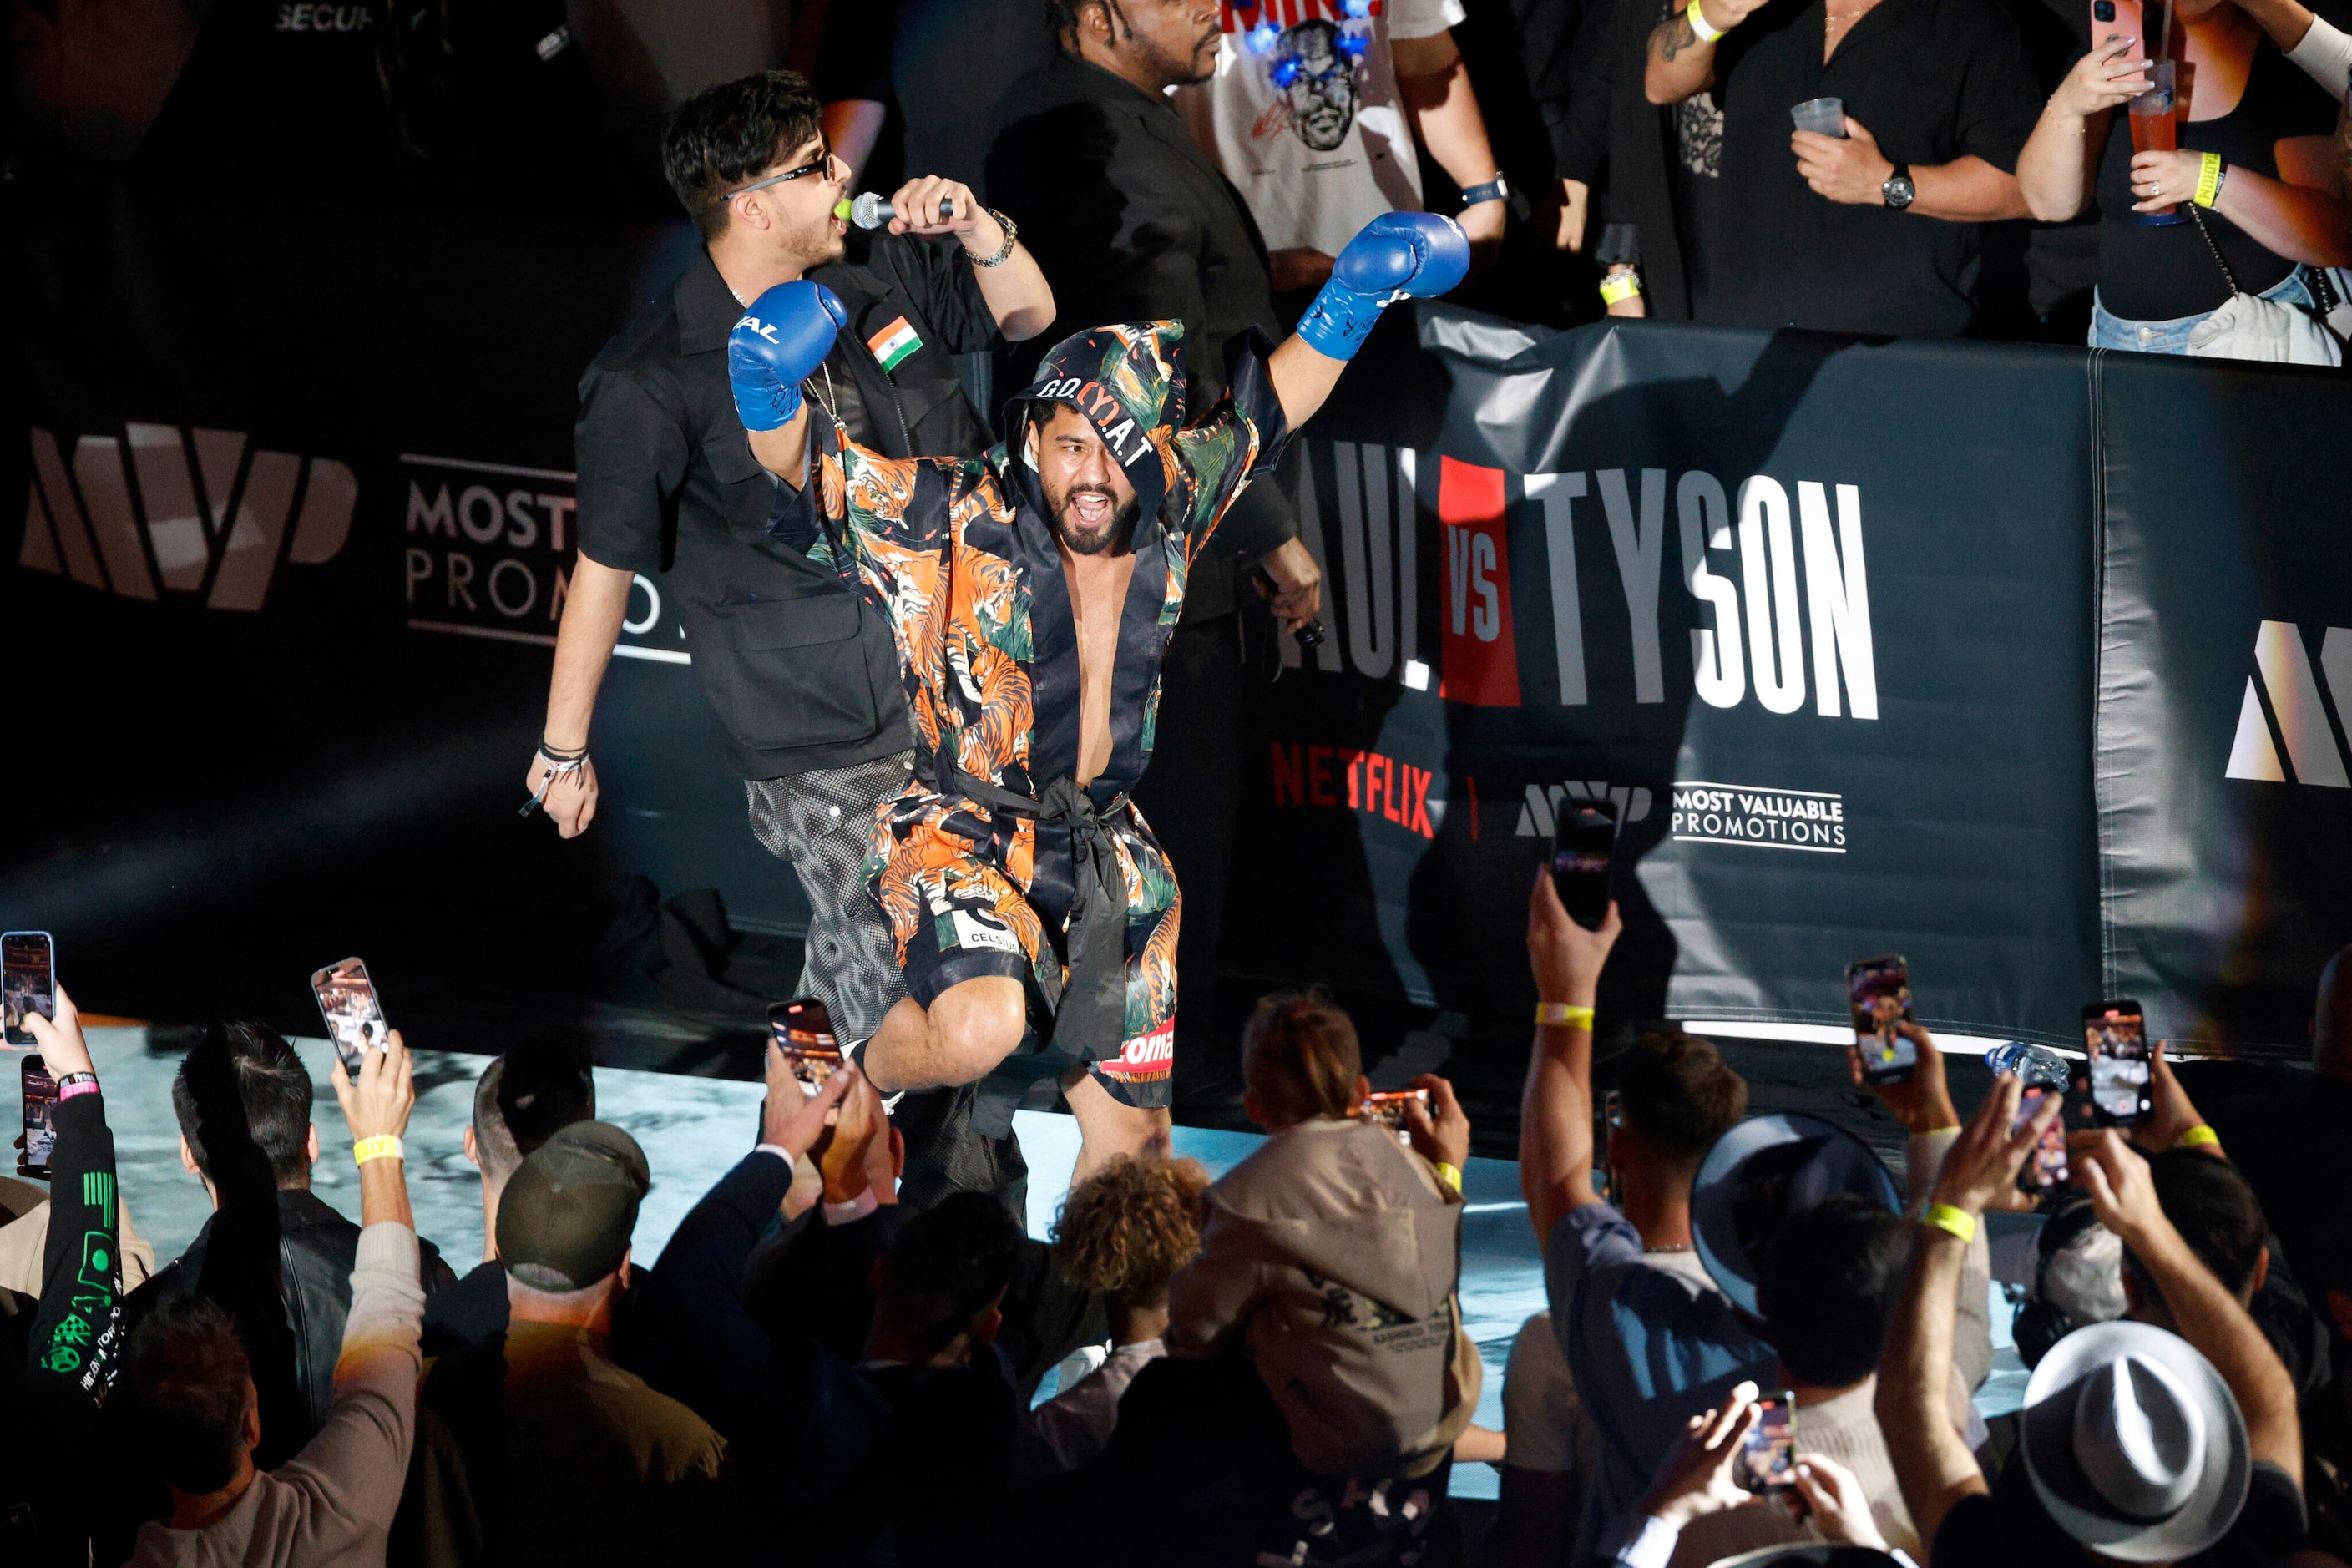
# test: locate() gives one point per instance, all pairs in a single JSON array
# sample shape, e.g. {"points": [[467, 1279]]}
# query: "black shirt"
{"points": [[2010, 1528], [2161, 273], [801, 673], [1931, 81]]}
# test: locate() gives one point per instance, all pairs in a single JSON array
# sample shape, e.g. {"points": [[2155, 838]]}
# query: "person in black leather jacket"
{"points": [[276, 1255]]}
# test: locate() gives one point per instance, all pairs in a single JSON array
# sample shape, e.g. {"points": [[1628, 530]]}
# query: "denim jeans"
{"points": [[2112, 332]]}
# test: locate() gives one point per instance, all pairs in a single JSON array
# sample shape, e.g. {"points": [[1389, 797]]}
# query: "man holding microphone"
{"points": [[797, 667]]}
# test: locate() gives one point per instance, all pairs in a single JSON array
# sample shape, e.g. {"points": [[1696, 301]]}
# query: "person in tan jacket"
{"points": [[1330, 1256]]}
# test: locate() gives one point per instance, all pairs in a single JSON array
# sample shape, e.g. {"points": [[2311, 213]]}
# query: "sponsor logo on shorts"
{"points": [[1764, 817], [962, 928], [1146, 1056]]}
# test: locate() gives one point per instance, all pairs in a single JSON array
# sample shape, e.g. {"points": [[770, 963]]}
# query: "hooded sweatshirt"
{"points": [[1330, 1256]]}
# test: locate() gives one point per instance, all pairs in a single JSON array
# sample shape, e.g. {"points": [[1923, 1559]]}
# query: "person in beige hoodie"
{"points": [[1330, 1256], [195, 1409]]}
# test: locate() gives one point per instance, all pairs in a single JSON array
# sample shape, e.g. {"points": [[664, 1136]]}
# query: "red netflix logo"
{"points": [[1481, 663], [1374, 783]]}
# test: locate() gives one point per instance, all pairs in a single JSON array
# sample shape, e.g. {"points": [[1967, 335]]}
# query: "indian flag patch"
{"points": [[893, 342]]}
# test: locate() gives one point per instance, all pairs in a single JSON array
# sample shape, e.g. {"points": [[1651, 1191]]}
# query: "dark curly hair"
{"points": [[724, 136], [1126, 1229]]}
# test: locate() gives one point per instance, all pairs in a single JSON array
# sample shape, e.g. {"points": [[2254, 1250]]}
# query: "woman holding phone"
{"points": [[2270, 194]]}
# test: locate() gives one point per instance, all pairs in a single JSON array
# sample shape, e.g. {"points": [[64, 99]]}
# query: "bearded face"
{"points": [[1090, 504]]}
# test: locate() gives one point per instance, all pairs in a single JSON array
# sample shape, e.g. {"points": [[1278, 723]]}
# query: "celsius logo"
{"points": [[1541, 809], [185, 512], [2292, 690]]}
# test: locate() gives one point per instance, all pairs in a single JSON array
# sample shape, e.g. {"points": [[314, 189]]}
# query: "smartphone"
{"points": [[1386, 1108], [354, 1015], [2047, 1167], [2117, 19], [28, 980], [1769, 1461], [803, 1030], [2116, 1040], [1583, 842], [40, 1117], [1878, 993]]}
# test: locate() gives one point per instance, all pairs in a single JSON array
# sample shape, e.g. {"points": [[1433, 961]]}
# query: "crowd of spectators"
{"points": [[1269, 1367], [830, 1362], [1892, 167]]}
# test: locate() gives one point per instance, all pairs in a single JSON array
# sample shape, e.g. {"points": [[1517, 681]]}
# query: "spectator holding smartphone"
{"points": [[1607, 1267], [2210, 1459], [199, 1417], [277, 1256], [63, 1357], [1331, 1257], [2255, 172]]}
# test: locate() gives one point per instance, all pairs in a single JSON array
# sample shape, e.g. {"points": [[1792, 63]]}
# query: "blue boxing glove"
{"points": [[1396, 255], [778, 344]]}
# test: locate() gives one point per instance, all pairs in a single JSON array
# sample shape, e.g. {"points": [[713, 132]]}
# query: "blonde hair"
{"points": [[1128, 1228], [1299, 1057]]}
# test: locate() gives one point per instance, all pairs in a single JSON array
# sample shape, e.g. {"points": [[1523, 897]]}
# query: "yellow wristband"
{"points": [[1623, 286], [1959, 1222], [1706, 35], [1449, 1175], [2208, 179], [2198, 1138], [383, 1147], [1564, 1015]]}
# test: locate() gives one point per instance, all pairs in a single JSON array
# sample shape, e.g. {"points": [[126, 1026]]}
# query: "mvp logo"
{"points": [[1541, 812], [2292, 690], [181, 512]]}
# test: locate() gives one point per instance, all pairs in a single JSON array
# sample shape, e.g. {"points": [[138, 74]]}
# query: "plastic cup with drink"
{"points": [[1822, 116]]}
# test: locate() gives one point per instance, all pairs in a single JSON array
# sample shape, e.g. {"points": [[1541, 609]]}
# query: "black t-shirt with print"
{"points": [[2151, 273]]}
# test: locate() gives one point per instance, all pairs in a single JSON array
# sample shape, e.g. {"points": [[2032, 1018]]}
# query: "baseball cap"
{"points": [[565, 1216]]}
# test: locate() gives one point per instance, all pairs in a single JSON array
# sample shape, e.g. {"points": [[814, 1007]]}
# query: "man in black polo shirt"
{"points": [[801, 673], [1874, 231]]}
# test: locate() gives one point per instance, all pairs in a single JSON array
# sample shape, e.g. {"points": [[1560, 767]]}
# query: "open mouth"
{"points": [[1090, 507]]}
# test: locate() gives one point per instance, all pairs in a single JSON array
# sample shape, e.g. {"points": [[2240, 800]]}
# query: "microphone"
{"points": [[871, 210]]}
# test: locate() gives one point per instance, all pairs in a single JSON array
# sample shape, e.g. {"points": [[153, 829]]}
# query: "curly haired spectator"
{"points": [[1124, 1233]]}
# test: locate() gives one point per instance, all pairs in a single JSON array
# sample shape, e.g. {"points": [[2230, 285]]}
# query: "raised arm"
{"points": [[1932, 1465], [2060, 163], [777, 345], [1556, 1108], [2207, 1316], [1015, 288], [1396, 256], [81, 1268]]}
